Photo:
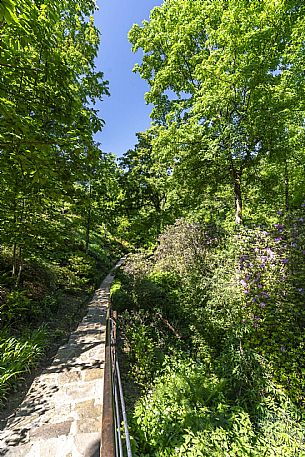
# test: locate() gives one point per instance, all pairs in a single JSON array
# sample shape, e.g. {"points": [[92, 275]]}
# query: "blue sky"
{"points": [[125, 111]]}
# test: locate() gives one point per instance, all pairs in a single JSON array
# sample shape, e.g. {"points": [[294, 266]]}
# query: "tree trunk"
{"points": [[238, 203], [236, 174], [20, 268], [88, 220], [286, 186], [14, 269]]}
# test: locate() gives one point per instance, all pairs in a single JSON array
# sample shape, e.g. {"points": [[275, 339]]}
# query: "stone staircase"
{"points": [[61, 415]]}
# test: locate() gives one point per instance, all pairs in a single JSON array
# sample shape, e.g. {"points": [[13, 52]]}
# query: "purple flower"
{"points": [[262, 305], [264, 294], [279, 238], [285, 260], [243, 283], [270, 253]]}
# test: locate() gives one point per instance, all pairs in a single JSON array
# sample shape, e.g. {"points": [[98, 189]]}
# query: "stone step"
{"points": [[61, 414]]}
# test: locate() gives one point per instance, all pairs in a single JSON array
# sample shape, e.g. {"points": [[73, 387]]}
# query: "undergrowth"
{"points": [[213, 329], [39, 312], [18, 356]]}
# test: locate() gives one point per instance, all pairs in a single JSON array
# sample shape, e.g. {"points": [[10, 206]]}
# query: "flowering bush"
{"points": [[234, 302], [271, 273]]}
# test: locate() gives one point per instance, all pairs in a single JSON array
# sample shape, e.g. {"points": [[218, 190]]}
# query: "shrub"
{"points": [[237, 299], [17, 308], [120, 299], [187, 413], [146, 344], [18, 356], [83, 266]]}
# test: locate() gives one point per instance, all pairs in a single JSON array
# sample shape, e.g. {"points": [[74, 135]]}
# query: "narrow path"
{"points": [[61, 413]]}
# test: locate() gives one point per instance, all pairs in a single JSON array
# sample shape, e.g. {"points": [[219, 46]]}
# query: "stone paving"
{"points": [[61, 413]]}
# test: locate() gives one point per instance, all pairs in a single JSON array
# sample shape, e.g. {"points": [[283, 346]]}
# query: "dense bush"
{"points": [[188, 412], [121, 300], [216, 337]]}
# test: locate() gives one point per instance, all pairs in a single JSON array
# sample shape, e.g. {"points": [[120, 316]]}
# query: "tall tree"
{"points": [[97, 197], [48, 86], [145, 185], [220, 72]]}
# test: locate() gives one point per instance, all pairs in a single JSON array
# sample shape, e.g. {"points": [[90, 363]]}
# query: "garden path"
{"points": [[61, 413]]}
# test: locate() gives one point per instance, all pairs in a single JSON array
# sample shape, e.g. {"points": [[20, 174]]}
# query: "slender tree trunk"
{"points": [[157, 207], [88, 219], [286, 186], [162, 208], [20, 268], [18, 260], [236, 174], [238, 203], [14, 269]]}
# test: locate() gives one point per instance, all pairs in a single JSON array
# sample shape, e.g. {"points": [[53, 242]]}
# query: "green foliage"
{"points": [[145, 185], [18, 356], [226, 148], [224, 81], [51, 294], [120, 299], [17, 306], [18, 310], [8, 11], [49, 159], [146, 356], [221, 368], [82, 266], [187, 412]]}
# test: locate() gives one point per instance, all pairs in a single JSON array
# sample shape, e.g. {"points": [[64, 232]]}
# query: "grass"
{"points": [[18, 356], [38, 316]]}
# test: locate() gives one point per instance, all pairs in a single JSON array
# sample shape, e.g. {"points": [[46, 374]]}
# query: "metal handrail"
{"points": [[114, 411], [108, 445]]}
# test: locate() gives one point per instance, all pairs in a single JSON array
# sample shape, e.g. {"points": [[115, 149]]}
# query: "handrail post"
{"points": [[108, 427], [114, 411]]}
